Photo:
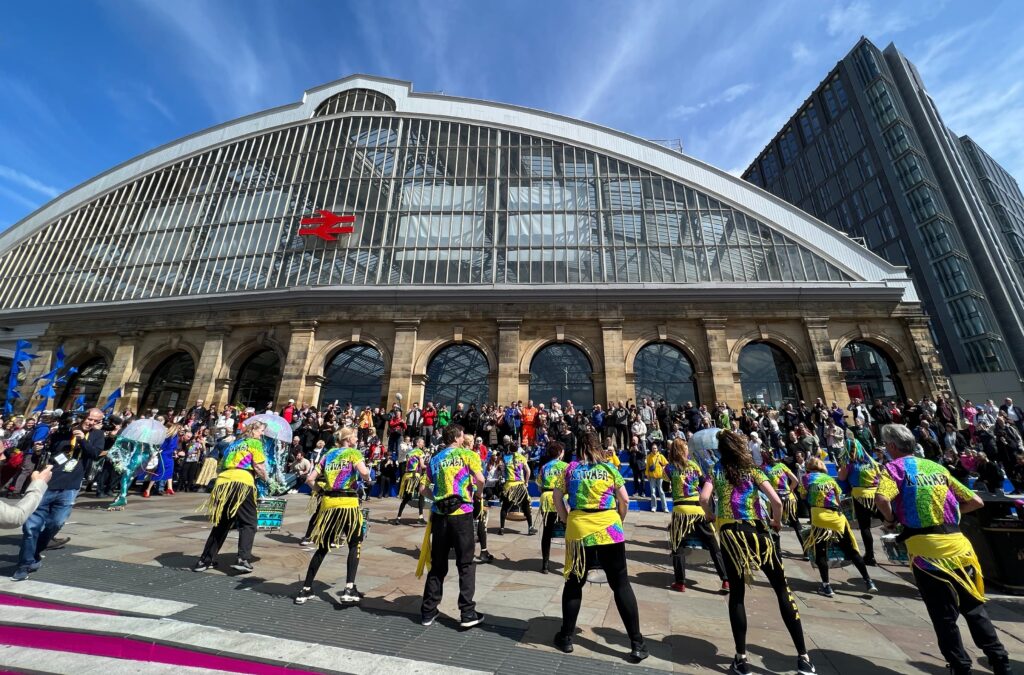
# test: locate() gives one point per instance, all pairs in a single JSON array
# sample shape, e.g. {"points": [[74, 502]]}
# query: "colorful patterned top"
{"points": [[779, 475], [591, 487], [451, 471], [864, 472], [338, 468], [412, 460], [686, 481], [550, 474], [742, 502], [239, 460], [922, 493], [821, 491], [515, 468]]}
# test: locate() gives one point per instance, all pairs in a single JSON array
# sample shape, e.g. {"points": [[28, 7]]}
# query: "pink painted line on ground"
{"points": [[22, 601], [110, 646]]}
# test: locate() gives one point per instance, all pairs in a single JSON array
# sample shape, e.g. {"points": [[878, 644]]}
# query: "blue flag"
{"points": [[111, 400], [21, 354], [79, 403], [41, 407]]}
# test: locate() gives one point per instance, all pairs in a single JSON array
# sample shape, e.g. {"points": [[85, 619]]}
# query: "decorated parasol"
{"points": [[277, 427], [704, 448], [276, 440], [151, 432]]}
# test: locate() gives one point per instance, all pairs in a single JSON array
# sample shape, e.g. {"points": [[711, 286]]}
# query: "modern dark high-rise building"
{"points": [[869, 154]]}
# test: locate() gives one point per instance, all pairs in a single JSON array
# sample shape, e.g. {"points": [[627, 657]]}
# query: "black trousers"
{"points": [[612, 559], [524, 506], [447, 533], [707, 537], [821, 557], [408, 498], [864, 516], [189, 473], [355, 545], [245, 518], [946, 600], [550, 520]]}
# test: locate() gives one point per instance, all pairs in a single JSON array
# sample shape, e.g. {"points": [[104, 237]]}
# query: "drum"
{"points": [[895, 551], [846, 506], [366, 522], [558, 531], [694, 542], [270, 513], [834, 554]]}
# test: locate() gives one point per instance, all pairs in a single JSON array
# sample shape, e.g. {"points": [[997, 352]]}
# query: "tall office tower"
{"points": [[868, 153]]}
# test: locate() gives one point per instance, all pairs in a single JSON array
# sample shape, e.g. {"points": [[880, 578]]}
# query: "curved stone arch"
{"points": [[155, 357], [83, 356], [887, 345], [318, 364], [592, 354], [237, 358], [428, 353], [801, 360], [697, 357]]}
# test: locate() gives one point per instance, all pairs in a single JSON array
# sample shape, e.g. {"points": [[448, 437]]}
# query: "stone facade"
{"points": [[509, 335]]}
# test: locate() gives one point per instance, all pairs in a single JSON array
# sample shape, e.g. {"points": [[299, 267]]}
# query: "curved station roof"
{"points": [[368, 192]]}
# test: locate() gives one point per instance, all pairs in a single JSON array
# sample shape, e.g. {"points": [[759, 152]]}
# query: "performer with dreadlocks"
{"points": [[829, 525], [927, 501], [409, 487], [547, 478], [233, 499], [481, 512], [785, 484], [746, 544], [688, 516], [862, 471], [338, 518], [514, 492], [598, 502]]}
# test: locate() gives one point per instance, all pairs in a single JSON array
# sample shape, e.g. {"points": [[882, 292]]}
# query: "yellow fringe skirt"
{"points": [[789, 507], [314, 502], [225, 499], [515, 493], [409, 485], [585, 529], [338, 521], [749, 545], [207, 472], [828, 527], [684, 518], [952, 554]]}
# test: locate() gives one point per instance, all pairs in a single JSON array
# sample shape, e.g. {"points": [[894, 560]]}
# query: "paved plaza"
{"points": [[132, 566]]}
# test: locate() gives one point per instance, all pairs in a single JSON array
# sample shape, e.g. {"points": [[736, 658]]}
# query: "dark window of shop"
{"points": [[87, 382], [562, 371], [664, 372], [768, 376], [170, 383], [258, 379], [354, 375], [870, 373], [457, 374]]}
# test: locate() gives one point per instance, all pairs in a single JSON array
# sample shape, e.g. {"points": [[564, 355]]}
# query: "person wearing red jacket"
{"points": [[529, 419], [429, 420]]}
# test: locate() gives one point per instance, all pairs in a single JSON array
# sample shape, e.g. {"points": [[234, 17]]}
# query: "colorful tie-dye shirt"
{"points": [[821, 491], [451, 471], [551, 473], [239, 459], [591, 487], [864, 472], [779, 475], [412, 460], [922, 493], [686, 481], [338, 468], [515, 468], [742, 502]]}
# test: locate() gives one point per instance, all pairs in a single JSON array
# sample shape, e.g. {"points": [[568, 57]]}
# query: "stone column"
{"points": [[204, 387], [508, 360], [293, 375], [931, 380], [222, 391], [130, 393], [828, 379], [614, 360], [121, 370], [724, 379], [402, 356]]}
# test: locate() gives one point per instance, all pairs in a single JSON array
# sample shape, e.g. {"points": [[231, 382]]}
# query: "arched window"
{"points": [[664, 372], [562, 371], [258, 378], [87, 382], [768, 376], [170, 383], [870, 373], [457, 374], [354, 375]]}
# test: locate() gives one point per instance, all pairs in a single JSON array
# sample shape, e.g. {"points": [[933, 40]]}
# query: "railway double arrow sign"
{"points": [[328, 225]]}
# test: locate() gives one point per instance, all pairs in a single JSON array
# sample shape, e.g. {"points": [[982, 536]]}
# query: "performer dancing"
{"points": [[547, 478], [688, 516], [338, 517], [514, 492], [785, 484], [232, 500], [927, 501], [409, 487], [861, 469], [598, 502], [126, 457], [741, 518], [481, 512], [829, 525]]}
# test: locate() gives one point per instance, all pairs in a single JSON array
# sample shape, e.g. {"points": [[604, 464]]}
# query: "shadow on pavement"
{"points": [[690, 650], [845, 662]]}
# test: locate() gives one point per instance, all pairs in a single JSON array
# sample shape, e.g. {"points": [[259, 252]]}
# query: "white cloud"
{"points": [[727, 96], [853, 19], [801, 53], [26, 181], [19, 199]]}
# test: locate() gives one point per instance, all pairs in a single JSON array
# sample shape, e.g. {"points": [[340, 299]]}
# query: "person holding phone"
{"points": [[15, 515]]}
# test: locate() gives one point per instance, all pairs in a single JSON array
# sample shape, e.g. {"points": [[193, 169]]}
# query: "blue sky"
{"points": [[87, 85]]}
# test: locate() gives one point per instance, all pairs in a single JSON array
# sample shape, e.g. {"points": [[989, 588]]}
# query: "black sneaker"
{"points": [[739, 666], [204, 565], [243, 566], [475, 620], [638, 650], [804, 666], [870, 561], [532, 531], [304, 595], [427, 620], [826, 590], [484, 557], [306, 542], [351, 594], [501, 530], [563, 643], [869, 586]]}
